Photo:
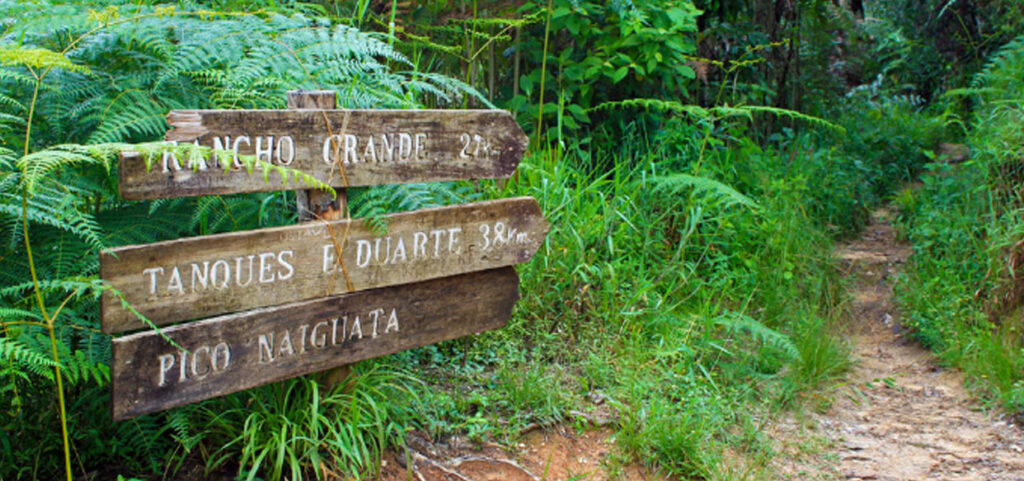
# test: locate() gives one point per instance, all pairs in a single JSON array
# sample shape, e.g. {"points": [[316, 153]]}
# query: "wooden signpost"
{"points": [[204, 276], [305, 298], [239, 351], [373, 146]]}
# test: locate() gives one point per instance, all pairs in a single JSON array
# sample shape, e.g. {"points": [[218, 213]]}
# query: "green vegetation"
{"points": [[963, 289], [696, 160]]}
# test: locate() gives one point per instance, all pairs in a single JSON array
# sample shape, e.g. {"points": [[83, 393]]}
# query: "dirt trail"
{"points": [[899, 416]]}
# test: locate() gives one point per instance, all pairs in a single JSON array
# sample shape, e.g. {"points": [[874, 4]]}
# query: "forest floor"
{"points": [[552, 454], [898, 415]]}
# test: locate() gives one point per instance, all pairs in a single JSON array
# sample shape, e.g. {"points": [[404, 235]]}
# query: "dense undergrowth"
{"points": [[687, 282], [963, 288]]}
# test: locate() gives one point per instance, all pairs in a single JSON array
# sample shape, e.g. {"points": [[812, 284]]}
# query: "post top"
{"points": [[312, 99]]}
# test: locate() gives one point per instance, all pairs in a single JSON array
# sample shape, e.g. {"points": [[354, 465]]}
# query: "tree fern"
{"points": [[98, 80]]}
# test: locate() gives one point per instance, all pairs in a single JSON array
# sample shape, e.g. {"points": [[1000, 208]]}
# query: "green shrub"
{"points": [[965, 225]]}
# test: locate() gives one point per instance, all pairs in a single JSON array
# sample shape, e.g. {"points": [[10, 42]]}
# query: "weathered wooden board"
{"points": [[239, 351], [205, 276], [373, 146]]}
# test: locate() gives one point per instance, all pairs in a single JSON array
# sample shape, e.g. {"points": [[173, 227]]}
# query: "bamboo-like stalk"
{"points": [[515, 67], [543, 74]]}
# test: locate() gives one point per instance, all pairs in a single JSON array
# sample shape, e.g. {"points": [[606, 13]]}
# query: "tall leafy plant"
{"points": [[600, 52], [76, 86]]}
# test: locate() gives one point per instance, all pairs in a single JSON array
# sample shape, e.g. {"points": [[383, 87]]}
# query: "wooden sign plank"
{"points": [[240, 351], [373, 146], [204, 276]]}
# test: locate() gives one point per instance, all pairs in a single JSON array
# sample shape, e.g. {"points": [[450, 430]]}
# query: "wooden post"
{"points": [[316, 204]]}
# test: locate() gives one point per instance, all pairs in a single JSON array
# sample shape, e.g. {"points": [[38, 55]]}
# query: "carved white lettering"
{"points": [[404, 147], [238, 271], [330, 148], [166, 363], [302, 338], [419, 244], [376, 317], [350, 149], [286, 265], [169, 159], [334, 332], [223, 144], [392, 322], [286, 344], [200, 373], [281, 150], [376, 250], [221, 348], [234, 147], [200, 276], [175, 282], [181, 366], [152, 271], [370, 153], [437, 241], [220, 281], [266, 348], [420, 148], [399, 251], [266, 266], [363, 252], [356, 328], [196, 157], [265, 153], [329, 258], [310, 336], [453, 240], [387, 147], [318, 341]]}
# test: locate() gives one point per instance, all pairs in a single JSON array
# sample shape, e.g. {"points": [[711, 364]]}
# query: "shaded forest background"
{"points": [[696, 159]]}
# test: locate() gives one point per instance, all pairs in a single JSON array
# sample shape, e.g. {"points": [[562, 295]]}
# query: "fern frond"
{"points": [[11, 313], [37, 59], [13, 350], [720, 112], [130, 116], [818, 121], [998, 63], [37, 166], [78, 286], [675, 183], [735, 322]]}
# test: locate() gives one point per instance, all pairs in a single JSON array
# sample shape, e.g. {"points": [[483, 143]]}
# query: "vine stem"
{"points": [[543, 74], [38, 291]]}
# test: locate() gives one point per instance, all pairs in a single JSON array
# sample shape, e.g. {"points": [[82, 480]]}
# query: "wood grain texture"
{"points": [[240, 351], [205, 276], [373, 146]]}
